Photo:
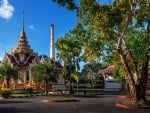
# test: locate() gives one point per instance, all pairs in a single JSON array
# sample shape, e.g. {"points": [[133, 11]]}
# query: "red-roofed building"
{"points": [[110, 83], [109, 69]]}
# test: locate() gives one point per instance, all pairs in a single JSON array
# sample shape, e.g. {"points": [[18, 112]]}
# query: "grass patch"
{"points": [[20, 95], [62, 99]]}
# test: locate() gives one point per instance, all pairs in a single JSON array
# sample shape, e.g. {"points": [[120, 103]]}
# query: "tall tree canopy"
{"points": [[119, 33], [69, 4], [69, 51]]}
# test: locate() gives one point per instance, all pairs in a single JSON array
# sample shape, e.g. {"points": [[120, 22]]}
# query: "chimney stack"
{"points": [[52, 49]]}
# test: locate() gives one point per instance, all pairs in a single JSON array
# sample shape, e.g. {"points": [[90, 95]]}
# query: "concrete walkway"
{"points": [[40, 104]]}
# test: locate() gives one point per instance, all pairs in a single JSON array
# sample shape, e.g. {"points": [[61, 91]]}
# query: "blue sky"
{"points": [[38, 16]]}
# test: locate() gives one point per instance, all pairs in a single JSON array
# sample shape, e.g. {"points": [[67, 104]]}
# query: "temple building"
{"points": [[22, 58]]}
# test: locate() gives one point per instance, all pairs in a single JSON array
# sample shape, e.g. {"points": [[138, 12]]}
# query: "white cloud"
{"points": [[6, 9], [32, 27]]}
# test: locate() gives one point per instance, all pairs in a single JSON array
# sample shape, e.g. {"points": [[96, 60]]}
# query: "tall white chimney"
{"points": [[52, 49]]}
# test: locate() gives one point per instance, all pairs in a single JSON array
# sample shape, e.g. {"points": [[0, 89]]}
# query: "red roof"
{"points": [[109, 69]]}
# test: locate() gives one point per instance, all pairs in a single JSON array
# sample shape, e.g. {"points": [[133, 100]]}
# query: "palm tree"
{"points": [[7, 72], [45, 72]]}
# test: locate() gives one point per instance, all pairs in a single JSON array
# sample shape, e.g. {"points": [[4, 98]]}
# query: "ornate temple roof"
{"points": [[21, 54], [22, 46]]}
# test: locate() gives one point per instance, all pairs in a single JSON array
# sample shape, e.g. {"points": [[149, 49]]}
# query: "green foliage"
{"points": [[75, 77], [99, 79], [5, 92], [45, 71], [83, 79], [118, 75], [143, 14], [93, 67], [137, 43], [44, 56], [89, 74], [29, 90], [118, 34], [69, 51], [69, 4], [7, 70]]}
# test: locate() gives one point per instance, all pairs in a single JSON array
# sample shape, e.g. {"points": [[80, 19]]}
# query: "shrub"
{"points": [[29, 90], [5, 92]]}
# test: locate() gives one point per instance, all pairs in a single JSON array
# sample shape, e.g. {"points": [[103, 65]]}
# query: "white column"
{"points": [[52, 51]]}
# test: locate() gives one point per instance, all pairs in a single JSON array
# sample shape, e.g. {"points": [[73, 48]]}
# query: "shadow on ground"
{"points": [[14, 110], [12, 102]]}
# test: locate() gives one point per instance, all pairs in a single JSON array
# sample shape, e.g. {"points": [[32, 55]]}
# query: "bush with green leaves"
{"points": [[29, 90], [5, 92]]}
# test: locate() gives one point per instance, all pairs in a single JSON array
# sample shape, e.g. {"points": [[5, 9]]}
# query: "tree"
{"points": [[69, 4], [7, 73], [90, 71], [118, 30], [44, 56], [122, 29], [45, 72], [69, 51]]}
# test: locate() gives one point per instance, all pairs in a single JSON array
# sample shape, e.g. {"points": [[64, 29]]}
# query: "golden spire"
{"points": [[23, 21], [22, 31], [22, 45]]}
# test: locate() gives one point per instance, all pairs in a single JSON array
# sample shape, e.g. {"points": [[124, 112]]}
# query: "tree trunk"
{"points": [[137, 88], [132, 90], [143, 80], [7, 82], [70, 88], [138, 93], [46, 86]]}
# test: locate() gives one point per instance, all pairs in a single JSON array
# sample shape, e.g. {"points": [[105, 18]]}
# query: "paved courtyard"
{"points": [[39, 104]]}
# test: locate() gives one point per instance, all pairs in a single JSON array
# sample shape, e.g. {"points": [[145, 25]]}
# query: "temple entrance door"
{"points": [[20, 80], [27, 77]]}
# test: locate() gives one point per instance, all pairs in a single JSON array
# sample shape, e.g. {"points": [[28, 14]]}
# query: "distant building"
{"points": [[109, 82]]}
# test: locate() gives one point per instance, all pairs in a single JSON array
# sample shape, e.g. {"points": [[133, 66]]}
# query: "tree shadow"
{"points": [[14, 110], [13, 101]]}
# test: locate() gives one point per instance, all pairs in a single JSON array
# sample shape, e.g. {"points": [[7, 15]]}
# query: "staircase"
{"points": [[19, 88]]}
